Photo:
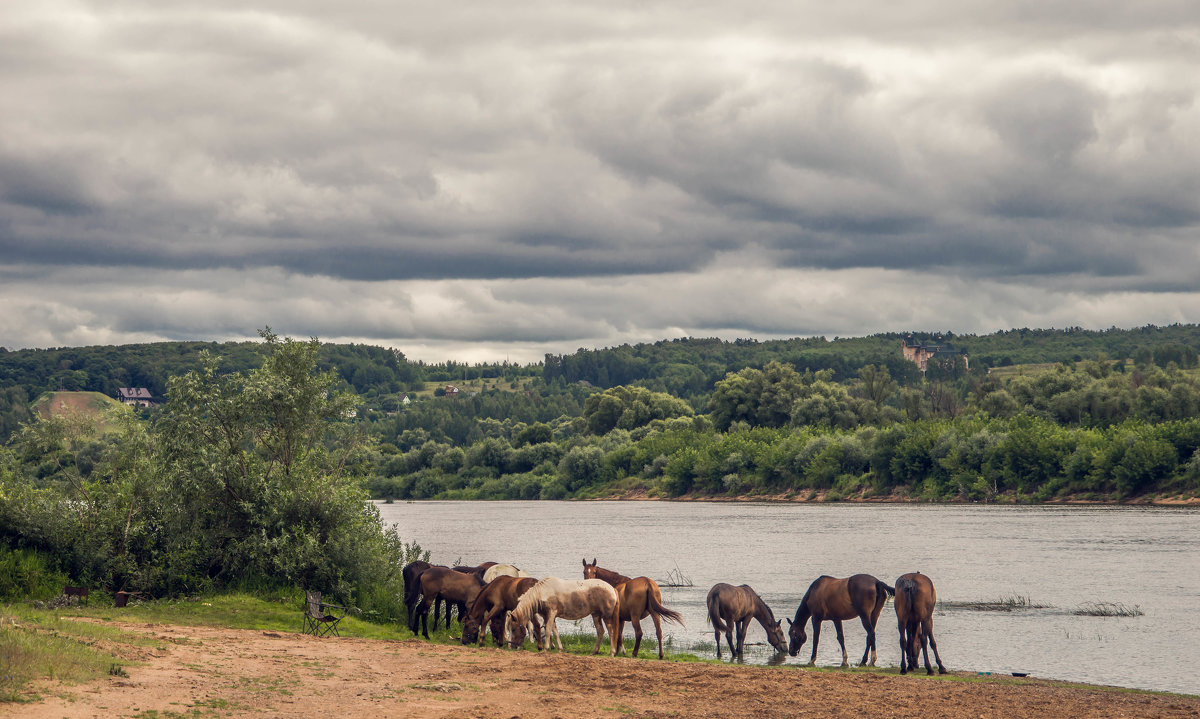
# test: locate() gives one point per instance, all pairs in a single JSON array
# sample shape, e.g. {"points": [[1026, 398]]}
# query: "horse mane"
{"points": [[760, 607], [611, 577], [803, 608]]}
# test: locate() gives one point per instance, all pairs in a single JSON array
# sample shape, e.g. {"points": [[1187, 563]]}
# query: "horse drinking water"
{"points": [[832, 599], [915, 600], [638, 598], [729, 605]]}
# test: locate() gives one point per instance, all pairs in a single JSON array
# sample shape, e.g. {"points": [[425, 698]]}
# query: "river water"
{"points": [[1059, 558]]}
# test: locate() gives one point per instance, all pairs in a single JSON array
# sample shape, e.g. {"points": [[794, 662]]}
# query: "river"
{"points": [[1059, 559]]}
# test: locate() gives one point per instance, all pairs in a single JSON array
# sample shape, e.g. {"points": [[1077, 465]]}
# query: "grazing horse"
{"points": [[500, 595], [832, 599], [729, 605], [412, 590], [638, 599], [552, 598], [412, 587], [502, 570], [915, 599], [442, 583]]}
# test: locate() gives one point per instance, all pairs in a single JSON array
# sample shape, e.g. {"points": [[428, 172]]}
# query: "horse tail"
{"points": [[908, 586], [657, 607], [882, 587], [714, 616]]}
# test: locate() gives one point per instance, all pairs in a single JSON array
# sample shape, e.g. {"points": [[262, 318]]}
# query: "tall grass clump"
{"points": [[28, 574]]}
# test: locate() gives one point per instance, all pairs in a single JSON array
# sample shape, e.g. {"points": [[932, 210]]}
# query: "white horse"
{"points": [[552, 598], [502, 570]]}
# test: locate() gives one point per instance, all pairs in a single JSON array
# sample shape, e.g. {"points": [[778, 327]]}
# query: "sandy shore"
{"points": [[205, 671]]}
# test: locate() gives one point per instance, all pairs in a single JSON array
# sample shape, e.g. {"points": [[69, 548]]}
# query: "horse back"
{"points": [[915, 597]]}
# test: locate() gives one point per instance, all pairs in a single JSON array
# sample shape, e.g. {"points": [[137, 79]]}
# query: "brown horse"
{"points": [[729, 605], [499, 596], [412, 587], [638, 598], [443, 583], [915, 599], [412, 591], [832, 599]]}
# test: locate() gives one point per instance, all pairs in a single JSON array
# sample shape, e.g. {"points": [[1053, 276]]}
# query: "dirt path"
{"points": [[203, 671]]}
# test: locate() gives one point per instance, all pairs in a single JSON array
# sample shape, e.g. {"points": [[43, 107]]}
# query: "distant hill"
{"points": [[86, 404]]}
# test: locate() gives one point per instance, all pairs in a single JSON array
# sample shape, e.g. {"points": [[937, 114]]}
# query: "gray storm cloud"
{"points": [[593, 173]]}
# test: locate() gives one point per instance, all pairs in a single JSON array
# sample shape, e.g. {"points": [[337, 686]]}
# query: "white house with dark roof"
{"points": [[135, 396]]}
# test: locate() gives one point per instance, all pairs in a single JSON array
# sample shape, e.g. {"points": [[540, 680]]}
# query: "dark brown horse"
{"points": [[832, 599], [729, 605], [638, 597], [412, 588], [498, 596], [915, 600], [443, 583]]}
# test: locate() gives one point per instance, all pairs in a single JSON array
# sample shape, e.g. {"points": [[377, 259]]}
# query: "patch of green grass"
{"points": [[31, 650]]}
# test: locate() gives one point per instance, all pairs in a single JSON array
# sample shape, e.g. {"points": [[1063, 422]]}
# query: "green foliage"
{"points": [[29, 574], [629, 408], [246, 477]]}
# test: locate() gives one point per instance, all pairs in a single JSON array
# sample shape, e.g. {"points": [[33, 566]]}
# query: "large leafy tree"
{"points": [[262, 475]]}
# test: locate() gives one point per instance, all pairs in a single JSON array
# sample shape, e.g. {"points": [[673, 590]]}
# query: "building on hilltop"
{"points": [[920, 354], [135, 396]]}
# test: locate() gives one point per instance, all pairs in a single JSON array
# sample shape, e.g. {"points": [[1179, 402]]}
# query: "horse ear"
{"points": [[789, 622], [593, 561]]}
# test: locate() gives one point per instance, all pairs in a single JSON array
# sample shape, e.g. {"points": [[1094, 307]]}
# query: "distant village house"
{"points": [[920, 354], [135, 396]]}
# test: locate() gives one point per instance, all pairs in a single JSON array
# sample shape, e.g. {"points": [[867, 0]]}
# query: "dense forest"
{"points": [[1032, 415]]}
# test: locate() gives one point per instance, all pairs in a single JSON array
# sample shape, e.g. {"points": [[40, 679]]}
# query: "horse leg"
{"points": [[657, 633], [928, 628], [837, 625], [637, 634], [599, 622], [816, 632], [729, 627], [743, 625], [423, 617], [616, 630], [870, 648]]}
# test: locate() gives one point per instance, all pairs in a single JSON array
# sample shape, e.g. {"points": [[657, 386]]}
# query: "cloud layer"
{"points": [[484, 181]]}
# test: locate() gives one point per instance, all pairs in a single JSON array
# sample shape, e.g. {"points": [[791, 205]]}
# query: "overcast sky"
{"points": [[483, 180]]}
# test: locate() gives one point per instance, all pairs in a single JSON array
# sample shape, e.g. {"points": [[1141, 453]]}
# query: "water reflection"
{"points": [[1058, 557]]}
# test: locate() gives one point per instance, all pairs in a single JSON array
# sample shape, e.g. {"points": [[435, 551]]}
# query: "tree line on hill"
{"points": [[255, 469]]}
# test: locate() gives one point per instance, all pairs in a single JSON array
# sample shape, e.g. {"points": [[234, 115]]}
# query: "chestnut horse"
{"points": [[729, 605], [638, 598], [553, 597], [443, 583], [499, 596], [915, 599], [832, 599]]}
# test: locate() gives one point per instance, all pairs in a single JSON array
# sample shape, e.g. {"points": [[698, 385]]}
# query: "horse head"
{"points": [[589, 570], [797, 636], [775, 636], [515, 631], [470, 632]]}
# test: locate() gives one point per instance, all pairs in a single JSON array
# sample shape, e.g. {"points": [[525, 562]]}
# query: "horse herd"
{"points": [[514, 605]]}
